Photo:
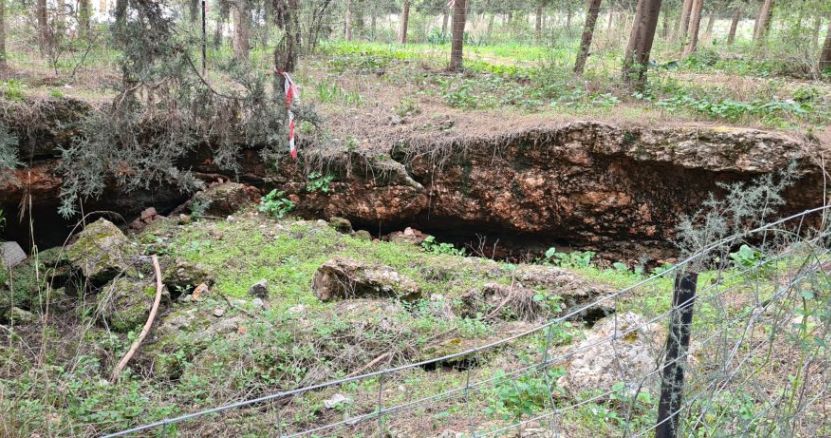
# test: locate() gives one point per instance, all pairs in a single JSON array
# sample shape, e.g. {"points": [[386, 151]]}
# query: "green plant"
{"points": [[431, 245], [407, 107], [55, 93], [574, 259], [198, 207], [276, 204], [12, 89], [514, 398], [317, 182]]}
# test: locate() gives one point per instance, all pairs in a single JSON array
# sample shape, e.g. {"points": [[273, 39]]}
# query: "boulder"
{"points": [[342, 225], [363, 235], [101, 252], [19, 316], [11, 254], [573, 291], [125, 303], [224, 199], [508, 303], [147, 217], [602, 362], [348, 279]]}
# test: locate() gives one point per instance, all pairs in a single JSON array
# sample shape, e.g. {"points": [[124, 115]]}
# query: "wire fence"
{"points": [[758, 363]]}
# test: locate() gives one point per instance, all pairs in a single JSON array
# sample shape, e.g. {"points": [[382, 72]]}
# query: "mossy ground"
{"points": [[195, 359]]}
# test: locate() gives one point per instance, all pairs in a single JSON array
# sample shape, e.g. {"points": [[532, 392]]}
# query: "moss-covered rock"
{"points": [[224, 199], [101, 252], [125, 303], [182, 277]]}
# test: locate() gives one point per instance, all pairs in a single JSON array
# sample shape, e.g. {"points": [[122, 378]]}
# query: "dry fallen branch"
{"points": [[146, 330]]}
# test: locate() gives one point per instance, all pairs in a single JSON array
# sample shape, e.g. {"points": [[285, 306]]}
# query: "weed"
{"points": [[514, 398], [12, 89], [198, 207], [430, 245], [574, 259], [317, 182], [276, 204], [407, 107]]}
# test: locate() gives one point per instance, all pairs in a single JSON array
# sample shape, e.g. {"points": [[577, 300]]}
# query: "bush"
{"points": [[276, 204]]}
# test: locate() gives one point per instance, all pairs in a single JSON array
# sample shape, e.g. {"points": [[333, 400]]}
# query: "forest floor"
{"points": [[225, 345]]}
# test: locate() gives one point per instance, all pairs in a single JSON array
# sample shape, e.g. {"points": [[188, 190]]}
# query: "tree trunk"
{"points": [[695, 24], [373, 24], [684, 21], [538, 27], [347, 23], [445, 18], [239, 15], [641, 37], [815, 32], [459, 19], [825, 56], [734, 25], [44, 35], [405, 21], [666, 24], [763, 22], [194, 11], [287, 51], [3, 63], [569, 14], [710, 23], [611, 19], [84, 14], [588, 34]]}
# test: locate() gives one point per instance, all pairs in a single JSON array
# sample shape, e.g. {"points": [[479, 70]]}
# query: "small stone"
{"points": [[363, 235], [184, 219], [218, 312], [322, 223], [197, 293], [259, 289], [436, 297], [297, 309], [12, 254], [336, 400], [258, 303]]}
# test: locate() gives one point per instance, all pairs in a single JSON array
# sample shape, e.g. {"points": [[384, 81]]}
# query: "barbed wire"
{"points": [[380, 412]]}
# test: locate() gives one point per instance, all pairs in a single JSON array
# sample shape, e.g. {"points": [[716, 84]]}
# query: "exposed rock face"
{"points": [[101, 252], [589, 184], [600, 363], [346, 279]]}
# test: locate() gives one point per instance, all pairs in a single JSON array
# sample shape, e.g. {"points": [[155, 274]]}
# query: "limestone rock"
{"points": [[347, 279], [225, 198], [101, 252], [19, 316], [573, 291], [125, 303], [409, 235], [508, 303], [259, 290], [342, 225], [601, 363], [182, 277], [363, 235], [11, 254]]}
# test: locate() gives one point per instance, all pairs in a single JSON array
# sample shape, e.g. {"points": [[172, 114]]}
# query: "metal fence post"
{"points": [[678, 342]]}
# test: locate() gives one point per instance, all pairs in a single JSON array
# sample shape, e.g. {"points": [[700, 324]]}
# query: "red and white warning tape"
{"points": [[292, 94]]}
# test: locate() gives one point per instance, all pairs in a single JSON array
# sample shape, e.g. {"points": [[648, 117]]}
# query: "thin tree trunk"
{"points": [[763, 22], [44, 38], [239, 14], [588, 34], [684, 21], [405, 21], [569, 14], [641, 38], [84, 14], [695, 24], [347, 24], [373, 24], [194, 11], [489, 30], [538, 27], [815, 33], [459, 20], [445, 18], [825, 56], [666, 24], [3, 62], [710, 23], [734, 25]]}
